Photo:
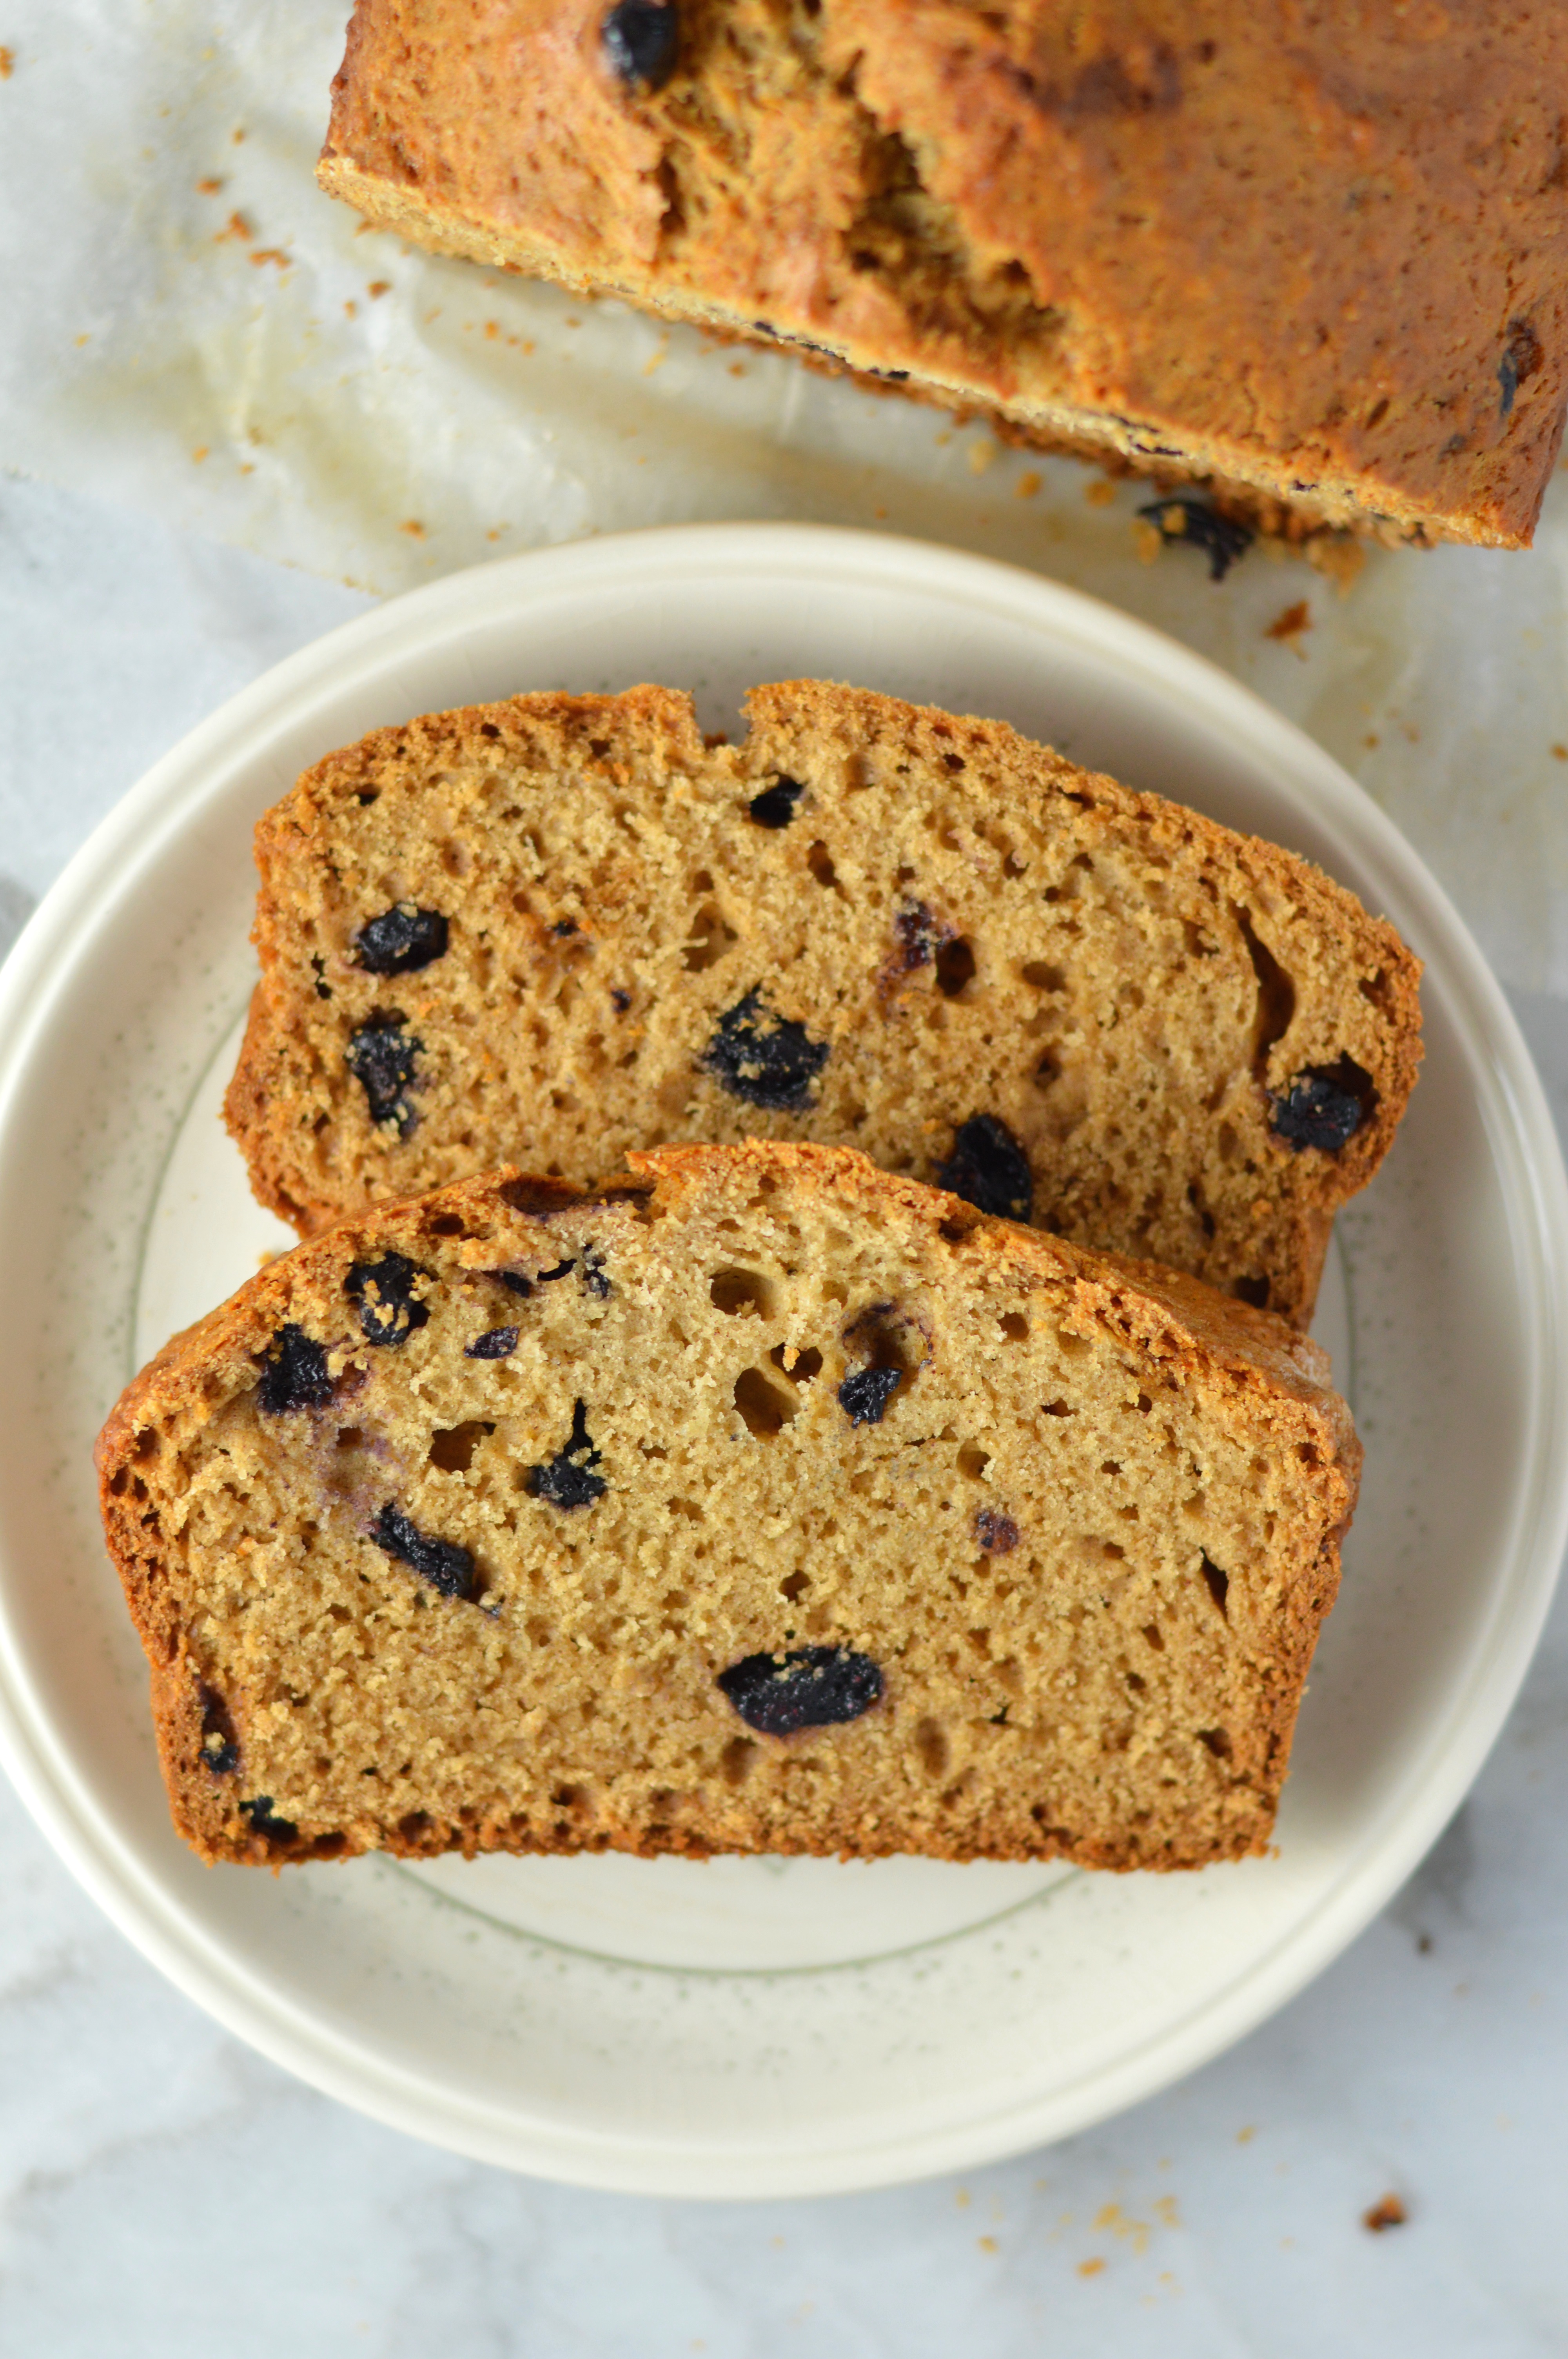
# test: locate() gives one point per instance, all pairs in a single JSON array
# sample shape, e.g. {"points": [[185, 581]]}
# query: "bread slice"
{"points": [[548, 931], [760, 1502], [1315, 259]]}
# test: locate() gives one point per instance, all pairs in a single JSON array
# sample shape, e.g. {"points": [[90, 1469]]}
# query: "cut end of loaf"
{"points": [[938, 207]]}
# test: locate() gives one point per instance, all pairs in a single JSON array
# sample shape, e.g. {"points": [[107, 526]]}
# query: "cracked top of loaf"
{"points": [[1318, 253]]}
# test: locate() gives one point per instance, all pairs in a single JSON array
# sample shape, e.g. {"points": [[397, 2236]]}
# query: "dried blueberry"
{"points": [[813, 1687], [561, 1269], [620, 1000], [593, 1276], [383, 1055], [997, 1533], [219, 1746], [989, 1168], [774, 807], [384, 1292], [401, 940], [864, 1396], [495, 1344], [916, 932], [294, 1376], [1521, 359], [444, 1565], [265, 1819], [1188, 517], [513, 1280], [641, 42], [565, 1481], [1322, 1107], [766, 1059]]}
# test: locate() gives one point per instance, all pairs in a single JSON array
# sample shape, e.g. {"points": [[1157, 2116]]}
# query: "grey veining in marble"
{"points": [[165, 2192]]}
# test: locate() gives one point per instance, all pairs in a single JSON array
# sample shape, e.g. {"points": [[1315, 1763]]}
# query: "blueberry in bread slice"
{"points": [[758, 1501], [550, 930]]}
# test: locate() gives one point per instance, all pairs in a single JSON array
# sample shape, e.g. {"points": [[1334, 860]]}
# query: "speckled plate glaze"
{"points": [[756, 2026]]}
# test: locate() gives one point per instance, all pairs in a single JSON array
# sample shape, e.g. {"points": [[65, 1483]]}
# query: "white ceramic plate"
{"points": [[748, 2027]]}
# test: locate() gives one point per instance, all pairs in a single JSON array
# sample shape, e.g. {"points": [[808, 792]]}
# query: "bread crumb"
{"points": [[208, 188], [1559, 753], [1148, 540], [378, 287], [656, 360], [982, 454], [235, 226], [987, 2244], [1246, 2136], [200, 453], [7, 64], [1289, 626], [272, 254], [1100, 493], [413, 528], [1090, 2268], [1389, 2213], [1337, 557], [1027, 485], [1371, 740], [351, 310], [737, 368]]}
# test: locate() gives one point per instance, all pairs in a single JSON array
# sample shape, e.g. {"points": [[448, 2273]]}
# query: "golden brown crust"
{"points": [[1146, 984], [240, 1705], [935, 194]]}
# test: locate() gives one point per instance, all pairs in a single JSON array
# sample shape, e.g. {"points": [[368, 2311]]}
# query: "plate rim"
{"points": [[130, 838]]}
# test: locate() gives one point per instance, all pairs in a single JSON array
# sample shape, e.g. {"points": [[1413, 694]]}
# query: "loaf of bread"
{"points": [[551, 931], [761, 1501], [1313, 258]]}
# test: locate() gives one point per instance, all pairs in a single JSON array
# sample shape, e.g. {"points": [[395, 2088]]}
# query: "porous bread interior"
{"points": [[969, 925], [1088, 1544]]}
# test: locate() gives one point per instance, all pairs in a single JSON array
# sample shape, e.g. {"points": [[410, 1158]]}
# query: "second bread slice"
{"points": [[555, 930]]}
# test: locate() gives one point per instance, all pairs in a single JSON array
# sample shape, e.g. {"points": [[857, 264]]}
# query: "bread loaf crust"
{"points": [[1316, 259]]}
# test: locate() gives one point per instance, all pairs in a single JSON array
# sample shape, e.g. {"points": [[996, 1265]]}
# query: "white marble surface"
{"points": [[162, 2190]]}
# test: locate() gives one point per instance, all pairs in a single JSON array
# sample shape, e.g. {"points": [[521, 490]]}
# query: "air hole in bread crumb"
{"points": [[1042, 976], [739, 1291], [1218, 1584], [1013, 1325], [798, 1366], [764, 1407], [954, 967], [452, 1447], [1155, 1636], [931, 1744], [736, 1759], [973, 1460], [1276, 992], [1254, 1291], [820, 864], [1218, 1742], [793, 1585], [711, 939]]}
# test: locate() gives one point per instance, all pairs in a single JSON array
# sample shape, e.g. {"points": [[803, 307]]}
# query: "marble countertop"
{"points": [[167, 2192]]}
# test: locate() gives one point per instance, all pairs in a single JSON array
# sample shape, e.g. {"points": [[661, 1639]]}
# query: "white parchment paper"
{"points": [[186, 325]]}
